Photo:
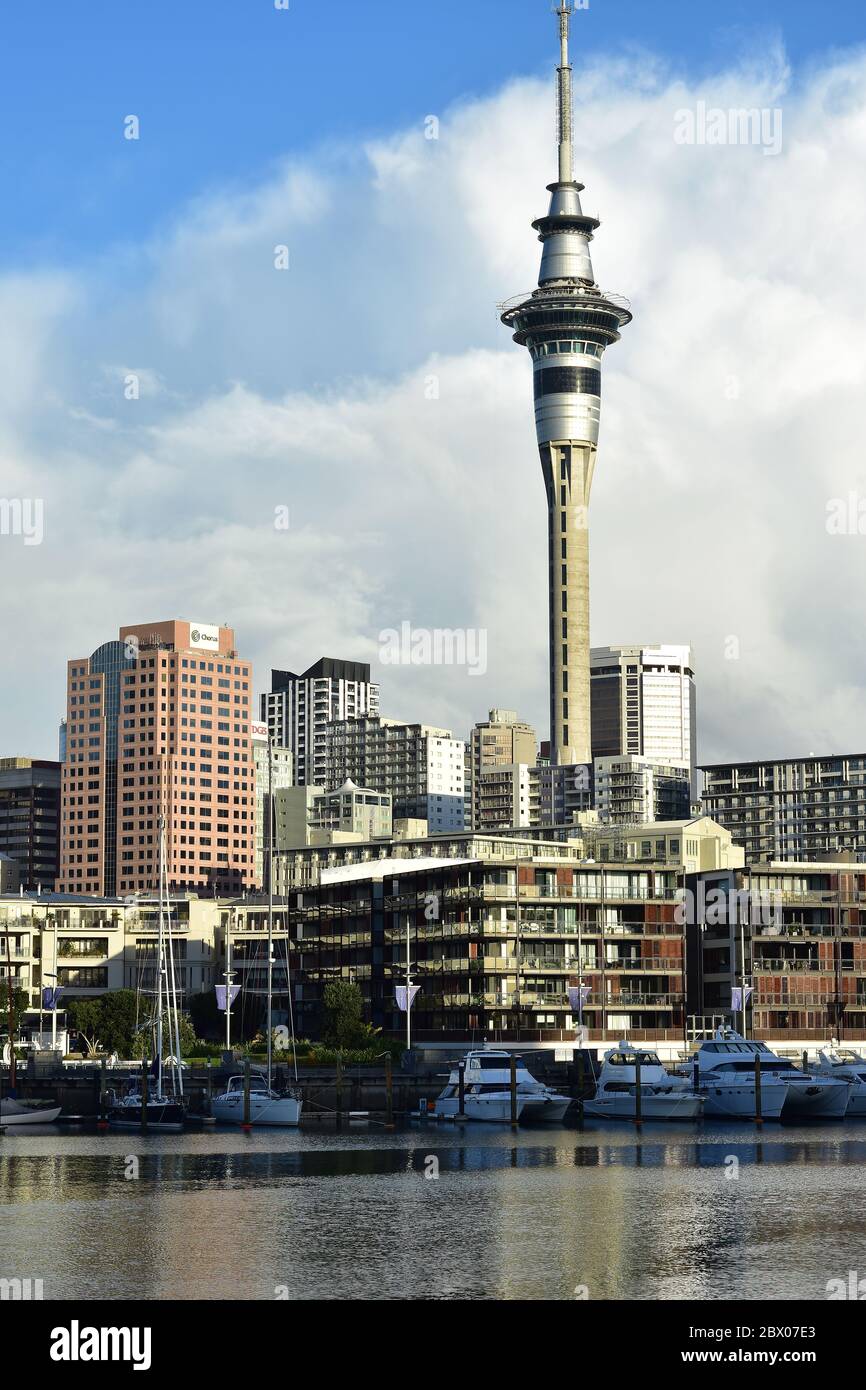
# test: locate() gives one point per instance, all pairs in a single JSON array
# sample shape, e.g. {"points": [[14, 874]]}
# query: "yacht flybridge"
{"points": [[662, 1096], [845, 1065], [487, 1091], [726, 1072]]}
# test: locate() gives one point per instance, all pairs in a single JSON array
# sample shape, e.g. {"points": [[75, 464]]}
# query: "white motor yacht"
{"points": [[487, 1091], [267, 1106], [726, 1079], [846, 1065], [808, 1095], [18, 1112], [663, 1097]]}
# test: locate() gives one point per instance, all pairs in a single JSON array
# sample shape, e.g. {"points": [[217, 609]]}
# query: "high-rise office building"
{"points": [[158, 723], [420, 767], [298, 707], [643, 704], [502, 740], [566, 323], [30, 819]]}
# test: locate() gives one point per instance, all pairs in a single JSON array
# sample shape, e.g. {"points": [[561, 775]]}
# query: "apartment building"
{"points": [[273, 771], [502, 740], [795, 934], [420, 767], [298, 709], [631, 790], [91, 945], [310, 815], [158, 722], [504, 797], [791, 808]]}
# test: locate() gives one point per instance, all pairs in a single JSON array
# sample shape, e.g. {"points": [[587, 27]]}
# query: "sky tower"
{"points": [[567, 323]]}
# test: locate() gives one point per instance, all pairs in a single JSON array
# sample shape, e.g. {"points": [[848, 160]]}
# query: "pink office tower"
{"points": [[158, 722]]}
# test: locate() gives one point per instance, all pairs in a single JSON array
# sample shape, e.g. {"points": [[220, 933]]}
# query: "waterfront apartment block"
{"points": [[421, 768], [30, 819], [792, 808], [643, 704], [497, 936], [795, 934], [502, 740], [158, 722], [298, 709]]}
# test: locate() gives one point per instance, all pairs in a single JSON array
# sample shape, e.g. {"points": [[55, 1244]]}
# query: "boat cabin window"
{"points": [[627, 1059]]}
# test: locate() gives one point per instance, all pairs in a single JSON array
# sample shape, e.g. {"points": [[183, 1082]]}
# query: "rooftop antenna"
{"points": [[564, 100]]}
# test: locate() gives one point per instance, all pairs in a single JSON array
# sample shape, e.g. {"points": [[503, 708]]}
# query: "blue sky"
{"points": [[225, 87], [732, 411]]}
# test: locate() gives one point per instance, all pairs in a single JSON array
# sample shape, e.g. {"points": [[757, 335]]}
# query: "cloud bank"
{"points": [[370, 391]]}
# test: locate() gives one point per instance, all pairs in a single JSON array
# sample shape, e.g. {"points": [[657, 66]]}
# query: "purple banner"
{"points": [[400, 996], [221, 996]]}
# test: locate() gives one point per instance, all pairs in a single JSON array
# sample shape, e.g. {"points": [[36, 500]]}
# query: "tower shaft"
{"points": [[566, 323]]}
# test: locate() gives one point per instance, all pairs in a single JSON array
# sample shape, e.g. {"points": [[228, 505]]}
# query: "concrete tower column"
{"points": [[566, 323]]}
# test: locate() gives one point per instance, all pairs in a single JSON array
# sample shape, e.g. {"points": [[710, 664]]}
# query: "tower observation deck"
{"points": [[566, 323]]}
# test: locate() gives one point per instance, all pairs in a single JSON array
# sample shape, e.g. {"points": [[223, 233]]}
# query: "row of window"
{"points": [[538, 350]]}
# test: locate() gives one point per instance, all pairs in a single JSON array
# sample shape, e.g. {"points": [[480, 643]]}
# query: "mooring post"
{"points": [[208, 1083], [145, 1079], [389, 1094], [461, 1088], [246, 1093], [638, 1117], [513, 1087], [758, 1113], [102, 1091], [339, 1088]]}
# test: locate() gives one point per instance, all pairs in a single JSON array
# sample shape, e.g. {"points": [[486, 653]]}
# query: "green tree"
{"points": [[343, 1021], [117, 1021], [84, 1016]]}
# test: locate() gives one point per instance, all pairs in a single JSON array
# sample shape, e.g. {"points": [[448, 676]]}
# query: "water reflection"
{"points": [[429, 1213]]}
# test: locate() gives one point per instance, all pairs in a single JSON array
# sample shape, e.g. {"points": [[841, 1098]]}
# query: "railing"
{"points": [[788, 967]]}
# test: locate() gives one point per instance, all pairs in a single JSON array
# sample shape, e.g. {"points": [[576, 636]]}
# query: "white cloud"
{"points": [[731, 411]]}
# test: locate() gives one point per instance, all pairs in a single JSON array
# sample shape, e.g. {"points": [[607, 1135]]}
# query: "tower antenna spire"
{"points": [[564, 100]]}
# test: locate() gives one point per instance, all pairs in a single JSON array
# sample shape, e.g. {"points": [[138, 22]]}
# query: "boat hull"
{"points": [[621, 1106], [857, 1103], [724, 1102], [816, 1098], [488, 1109], [24, 1116], [279, 1111], [549, 1109], [163, 1115]]}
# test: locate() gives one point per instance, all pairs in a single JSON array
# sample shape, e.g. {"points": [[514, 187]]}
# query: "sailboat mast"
{"points": [[160, 966], [270, 904]]}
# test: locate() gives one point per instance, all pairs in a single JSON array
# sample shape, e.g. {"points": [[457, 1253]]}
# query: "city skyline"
{"points": [[709, 416]]}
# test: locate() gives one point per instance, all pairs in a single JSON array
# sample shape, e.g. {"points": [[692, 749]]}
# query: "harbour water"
{"points": [[433, 1211]]}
